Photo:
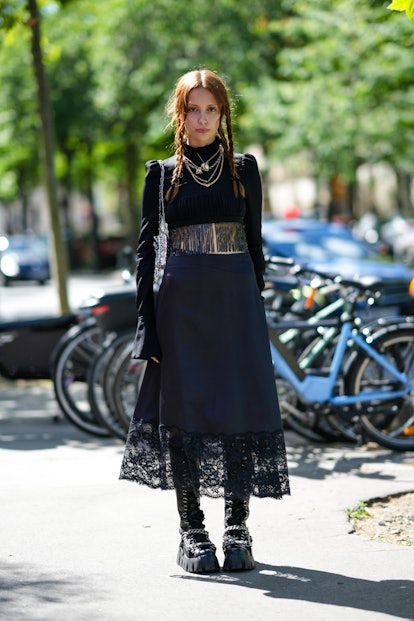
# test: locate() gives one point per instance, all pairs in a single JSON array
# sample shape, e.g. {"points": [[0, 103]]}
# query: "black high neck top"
{"points": [[194, 204], [205, 152], [197, 204]]}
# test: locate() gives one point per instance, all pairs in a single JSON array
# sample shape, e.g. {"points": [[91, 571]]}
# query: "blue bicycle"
{"points": [[359, 378]]}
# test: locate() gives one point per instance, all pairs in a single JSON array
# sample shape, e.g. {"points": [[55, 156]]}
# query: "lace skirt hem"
{"points": [[250, 464]]}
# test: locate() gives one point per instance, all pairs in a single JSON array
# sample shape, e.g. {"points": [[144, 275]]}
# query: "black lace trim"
{"points": [[241, 465]]}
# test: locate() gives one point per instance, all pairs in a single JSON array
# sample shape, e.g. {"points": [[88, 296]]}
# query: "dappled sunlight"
{"points": [[320, 461]]}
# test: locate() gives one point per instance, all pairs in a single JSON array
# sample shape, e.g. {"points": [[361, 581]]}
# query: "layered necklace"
{"points": [[214, 164]]}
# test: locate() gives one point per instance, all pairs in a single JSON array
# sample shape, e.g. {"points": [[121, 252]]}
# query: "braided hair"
{"points": [[177, 110]]}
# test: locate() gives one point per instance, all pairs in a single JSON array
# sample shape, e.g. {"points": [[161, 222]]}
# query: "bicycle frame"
{"points": [[314, 388], [292, 328]]}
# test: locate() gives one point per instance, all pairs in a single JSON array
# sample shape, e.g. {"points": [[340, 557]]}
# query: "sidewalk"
{"points": [[79, 545]]}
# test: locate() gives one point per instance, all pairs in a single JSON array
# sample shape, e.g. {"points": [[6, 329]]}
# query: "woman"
{"points": [[207, 418]]}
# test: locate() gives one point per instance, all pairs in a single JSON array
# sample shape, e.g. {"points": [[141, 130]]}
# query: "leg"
{"points": [[196, 553], [237, 543]]}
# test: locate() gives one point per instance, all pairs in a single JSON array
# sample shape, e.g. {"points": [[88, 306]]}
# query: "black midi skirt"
{"points": [[207, 417]]}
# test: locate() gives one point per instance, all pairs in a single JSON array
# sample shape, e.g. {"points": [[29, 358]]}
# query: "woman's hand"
{"points": [[155, 359]]}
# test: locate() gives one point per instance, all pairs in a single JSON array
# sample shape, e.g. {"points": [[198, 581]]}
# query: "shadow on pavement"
{"points": [[30, 419], [24, 588], [42, 434], [319, 462], [392, 597]]}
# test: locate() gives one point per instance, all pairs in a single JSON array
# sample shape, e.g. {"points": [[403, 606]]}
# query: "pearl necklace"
{"points": [[216, 168]]}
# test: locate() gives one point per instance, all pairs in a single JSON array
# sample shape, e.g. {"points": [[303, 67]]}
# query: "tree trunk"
{"points": [[66, 182], [59, 259]]}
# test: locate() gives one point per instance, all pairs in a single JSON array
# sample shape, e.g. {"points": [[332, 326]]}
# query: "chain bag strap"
{"points": [[161, 240]]}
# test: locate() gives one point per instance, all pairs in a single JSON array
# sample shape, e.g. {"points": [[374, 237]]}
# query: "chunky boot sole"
{"points": [[205, 563], [238, 559]]}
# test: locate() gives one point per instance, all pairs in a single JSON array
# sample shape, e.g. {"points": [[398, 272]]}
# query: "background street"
{"points": [[30, 300]]}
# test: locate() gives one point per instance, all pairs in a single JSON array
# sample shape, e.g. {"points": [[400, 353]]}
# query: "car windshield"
{"points": [[23, 244], [328, 246], [314, 246]]}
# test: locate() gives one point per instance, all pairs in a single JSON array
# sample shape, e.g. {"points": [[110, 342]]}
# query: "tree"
{"points": [[19, 156], [11, 16], [325, 82], [403, 5], [343, 94], [48, 152], [78, 122]]}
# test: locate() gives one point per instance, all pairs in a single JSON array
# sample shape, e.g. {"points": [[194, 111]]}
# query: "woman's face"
{"points": [[203, 117]]}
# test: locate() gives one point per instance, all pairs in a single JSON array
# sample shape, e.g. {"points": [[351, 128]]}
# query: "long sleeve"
{"points": [[252, 183], [146, 342]]}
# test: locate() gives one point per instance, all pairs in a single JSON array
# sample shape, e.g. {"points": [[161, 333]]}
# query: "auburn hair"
{"points": [[177, 111]]}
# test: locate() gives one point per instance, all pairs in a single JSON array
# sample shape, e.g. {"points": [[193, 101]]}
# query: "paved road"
{"points": [[29, 300], [79, 545]]}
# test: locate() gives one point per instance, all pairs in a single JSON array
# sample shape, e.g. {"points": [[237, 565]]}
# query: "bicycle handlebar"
{"points": [[364, 284]]}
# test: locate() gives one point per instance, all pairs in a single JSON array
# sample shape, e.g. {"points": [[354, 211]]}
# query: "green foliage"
{"points": [[19, 159], [326, 82], [11, 13], [344, 90], [359, 512], [403, 5]]}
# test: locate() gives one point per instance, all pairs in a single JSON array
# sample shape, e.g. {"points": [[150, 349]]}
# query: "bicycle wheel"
{"points": [[100, 382], [390, 423], [128, 375], [71, 363]]}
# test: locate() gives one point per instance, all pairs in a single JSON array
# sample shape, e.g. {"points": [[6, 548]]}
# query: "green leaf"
{"points": [[402, 5]]}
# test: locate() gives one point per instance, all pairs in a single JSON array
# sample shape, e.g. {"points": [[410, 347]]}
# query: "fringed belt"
{"points": [[211, 238]]}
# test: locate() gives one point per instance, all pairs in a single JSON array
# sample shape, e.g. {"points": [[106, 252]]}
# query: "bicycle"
{"points": [[306, 325], [366, 379], [106, 312]]}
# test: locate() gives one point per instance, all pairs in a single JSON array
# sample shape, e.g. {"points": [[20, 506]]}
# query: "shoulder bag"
{"points": [[161, 240]]}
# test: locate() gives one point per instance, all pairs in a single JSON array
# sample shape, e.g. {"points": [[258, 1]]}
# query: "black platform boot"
{"points": [[196, 553], [237, 543]]}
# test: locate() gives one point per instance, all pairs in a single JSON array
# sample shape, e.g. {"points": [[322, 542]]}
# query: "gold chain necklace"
{"points": [[205, 166], [216, 168]]}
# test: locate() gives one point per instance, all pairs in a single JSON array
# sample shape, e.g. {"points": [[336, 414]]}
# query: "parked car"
{"points": [[333, 249], [24, 257]]}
